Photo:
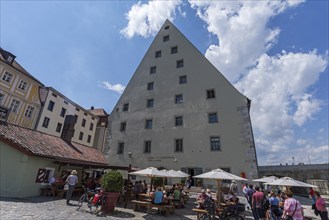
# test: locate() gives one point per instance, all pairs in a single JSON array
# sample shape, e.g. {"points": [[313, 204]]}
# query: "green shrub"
{"points": [[112, 181]]}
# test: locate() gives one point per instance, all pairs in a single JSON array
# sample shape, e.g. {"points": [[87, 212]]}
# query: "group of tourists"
{"points": [[163, 196], [280, 205]]}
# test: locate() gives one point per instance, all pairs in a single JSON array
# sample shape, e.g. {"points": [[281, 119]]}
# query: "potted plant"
{"points": [[112, 183]]}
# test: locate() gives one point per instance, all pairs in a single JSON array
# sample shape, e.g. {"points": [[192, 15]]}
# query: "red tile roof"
{"points": [[36, 143]]}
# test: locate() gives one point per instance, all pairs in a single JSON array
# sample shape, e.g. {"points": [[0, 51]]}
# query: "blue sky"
{"points": [[274, 52]]}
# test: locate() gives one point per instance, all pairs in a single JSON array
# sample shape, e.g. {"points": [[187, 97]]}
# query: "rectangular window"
{"points": [[150, 86], [121, 146], [22, 85], [80, 136], [7, 77], [179, 99], [211, 94], [179, 121], [158, 54], [91, 127], [14, 106], [150, 103], [123, 126], [166, 38], [125, 107], [212, 117], [83, 123], [153, 69], [51, 106], [147, 147], [2, 97], [174, 50], [182, 80], [59, 127], [45, 122], [179, 63], [214, 143], [53, 94], [29, 111], [77, 109], [148, 124], [179, 145], [89, 138], [63, 111]]}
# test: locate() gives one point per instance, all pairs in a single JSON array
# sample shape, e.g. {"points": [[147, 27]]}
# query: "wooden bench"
{"points": [[138, 204], [201, 213]]}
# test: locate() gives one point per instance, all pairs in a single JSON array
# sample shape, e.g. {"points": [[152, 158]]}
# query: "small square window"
{"points": [[179, 63], [178, 99], [51, 106], [147, 146], [7, 77], [179, 145], [179, 121], [148, 124], [77, 109], [59, 127], [182, 80], [158, 54], [121, 146], [214, 143], [212, 118], [89, 138], [153, 69], [150, 103], [125, 107], [66, 102], [22, 85], [211, 94], [174, 50], [166, 28], [45, 122], [63, 111], [123, 126], [150, 86], [80, 136], [166, 38], [53, 94], [29, 111]]}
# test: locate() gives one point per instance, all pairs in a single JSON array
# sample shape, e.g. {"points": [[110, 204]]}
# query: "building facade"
{"points": [[19, 97], [55, 108], [179, 112], [101, 129]]}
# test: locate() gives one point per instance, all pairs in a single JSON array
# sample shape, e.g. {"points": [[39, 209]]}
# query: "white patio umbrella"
{"points": [[219, 175], [149, 172], [266, 179], [289, 182], [182, 174]]}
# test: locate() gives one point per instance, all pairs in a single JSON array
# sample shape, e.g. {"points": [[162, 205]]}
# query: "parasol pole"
{"points": [[219, 181]]}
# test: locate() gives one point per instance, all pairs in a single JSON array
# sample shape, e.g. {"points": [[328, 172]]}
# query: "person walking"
{"points": [[258, 201], [320, 204], [292, 208], [71, 180]]}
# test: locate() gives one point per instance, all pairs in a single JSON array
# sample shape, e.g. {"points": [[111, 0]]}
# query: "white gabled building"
{"points": [[55, 108], [179, 112]]}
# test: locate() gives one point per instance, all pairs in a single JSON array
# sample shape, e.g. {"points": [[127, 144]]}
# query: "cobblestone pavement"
{"points": [[42, 208]]}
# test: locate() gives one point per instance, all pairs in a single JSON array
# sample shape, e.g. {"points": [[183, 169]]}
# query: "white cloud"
{"points": [[146, 19], [117, 87]]}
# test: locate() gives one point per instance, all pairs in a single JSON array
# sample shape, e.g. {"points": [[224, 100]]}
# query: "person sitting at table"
{"points": [[201, 198], [158, 196], [208, 192]]}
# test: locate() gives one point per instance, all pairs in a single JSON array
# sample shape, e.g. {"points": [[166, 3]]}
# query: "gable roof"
{"points": [[35, 143]]}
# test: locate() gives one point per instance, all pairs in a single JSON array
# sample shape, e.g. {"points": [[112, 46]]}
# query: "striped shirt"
{"points": [[290, 206]]}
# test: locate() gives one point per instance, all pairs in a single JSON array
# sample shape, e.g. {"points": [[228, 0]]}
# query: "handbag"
{"points": [[288, 217], [66, 187]]}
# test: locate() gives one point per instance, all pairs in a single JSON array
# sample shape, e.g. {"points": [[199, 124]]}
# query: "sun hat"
{"points": [[202, 190], [208, 191], [74, 172]]}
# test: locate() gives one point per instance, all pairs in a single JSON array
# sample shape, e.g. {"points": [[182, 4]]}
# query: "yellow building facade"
{"points": [[19, 93]]}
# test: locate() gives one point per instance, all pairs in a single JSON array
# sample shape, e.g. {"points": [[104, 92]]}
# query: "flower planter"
{"points": [[111, 199]]}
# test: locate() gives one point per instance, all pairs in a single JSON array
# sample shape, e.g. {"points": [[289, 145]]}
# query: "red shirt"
{"points": [[257, 199], [321, 205]]}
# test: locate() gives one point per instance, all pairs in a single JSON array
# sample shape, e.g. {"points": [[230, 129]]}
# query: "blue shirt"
{"points": [[274, 201], [158, 197]]}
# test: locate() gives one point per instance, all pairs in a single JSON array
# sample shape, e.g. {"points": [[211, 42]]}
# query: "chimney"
{"points": [[68, 128]]}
